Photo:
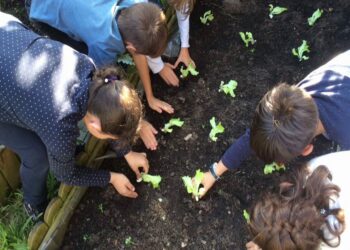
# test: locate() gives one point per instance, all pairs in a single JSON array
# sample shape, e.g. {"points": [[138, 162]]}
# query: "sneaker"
{"points": [[33, 212]]}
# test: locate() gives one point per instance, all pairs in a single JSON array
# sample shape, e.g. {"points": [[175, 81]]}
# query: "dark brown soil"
{"points": [[168, 218]]}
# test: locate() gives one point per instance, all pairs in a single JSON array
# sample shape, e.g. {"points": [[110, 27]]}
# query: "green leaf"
{"points": [[246, 215], [315, 16], [228, 88], [247, 37], [125, 59], [193, 186], [215, 129], [303, 48], [173, 122], [153, 179], [207, 17], [276, 10], [128, 241], [270, 168], [190, 69]]}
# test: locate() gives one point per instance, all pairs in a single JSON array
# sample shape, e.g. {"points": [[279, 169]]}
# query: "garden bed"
{"points": [[168, 218]]}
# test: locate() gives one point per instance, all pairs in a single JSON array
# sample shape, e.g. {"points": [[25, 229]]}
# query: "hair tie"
{"points": [[276, 123], [111, 78]]}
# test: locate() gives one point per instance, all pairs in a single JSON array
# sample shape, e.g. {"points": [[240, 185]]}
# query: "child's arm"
{"points": [[154, 103], [164, 70]]}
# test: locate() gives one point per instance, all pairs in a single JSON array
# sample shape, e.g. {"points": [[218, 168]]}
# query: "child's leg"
{"points": [[34, 162]]}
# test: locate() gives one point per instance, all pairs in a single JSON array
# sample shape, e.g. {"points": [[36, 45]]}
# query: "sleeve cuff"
{"points": [[155, 64]]}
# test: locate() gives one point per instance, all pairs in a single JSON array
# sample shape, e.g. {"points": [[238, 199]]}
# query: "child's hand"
{"points": [[207, 182], [168, 75], [252, 246], [185, 58], [159, 106], [123, 186], [136, 161], [147, 134]]}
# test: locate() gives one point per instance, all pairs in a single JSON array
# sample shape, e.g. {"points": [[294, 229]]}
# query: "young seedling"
{"points": [[228, 88], [190, 69], [247, 37], [207, 17], [246, 216], [303, 48], [129, 242], [100, 207], [153, 179], [270, 168], [215, 129], [173, 122], [193, 187], [125, 59], [315, 16], [276, 10], [86, 237]]}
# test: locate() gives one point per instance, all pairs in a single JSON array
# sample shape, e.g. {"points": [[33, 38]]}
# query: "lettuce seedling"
{"points": [[215, 129], [193, 186], [304, 47], [247, 37], [125, 59], [153, 179], [276, 10], [228, 88], [315, 16], [173, 122], [190, 69], [270, 168], [246, 215], [207, 17], [128, 241]]}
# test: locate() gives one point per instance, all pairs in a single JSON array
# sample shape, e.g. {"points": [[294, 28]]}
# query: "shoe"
{"points": [[33, 212]]}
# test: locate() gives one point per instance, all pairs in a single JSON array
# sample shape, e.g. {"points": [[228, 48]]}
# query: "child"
{"points": [[289, 117], [45, 89], [308, 211]]}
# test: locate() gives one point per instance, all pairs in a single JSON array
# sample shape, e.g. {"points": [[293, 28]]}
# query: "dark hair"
{"points": [[284, 124], [144, 26], [116, 104], [297, 217], [184, 6]]}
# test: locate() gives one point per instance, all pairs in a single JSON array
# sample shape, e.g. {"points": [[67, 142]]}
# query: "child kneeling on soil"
{"points": [[46, 88], [308, 212], [289, 117]]}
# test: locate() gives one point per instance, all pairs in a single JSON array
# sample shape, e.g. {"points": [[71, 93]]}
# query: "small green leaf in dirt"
{"points": [[228, 88], [270, 168], [129, 242], [173, 122], [315, 16], [193, 187], [303, 48], [215, 129], [86, 237], [246, 216], [153, 179], [125, 59], [276, 10], [207, 17], [247, 37], [100, 207], [190, 69]]}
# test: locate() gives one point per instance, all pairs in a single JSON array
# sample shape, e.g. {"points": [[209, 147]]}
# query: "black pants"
{"points": [[34, 161]]}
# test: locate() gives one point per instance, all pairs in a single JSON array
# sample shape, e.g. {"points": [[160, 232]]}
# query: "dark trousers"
{"points": [[34, 161]]}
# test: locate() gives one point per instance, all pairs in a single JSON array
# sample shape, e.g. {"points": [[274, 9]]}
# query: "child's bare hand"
{"points": [[123, 186], [252, 246], [147, 134], [159, 106], [185, 58], [137, 161], [169, 76], [207, 182]]}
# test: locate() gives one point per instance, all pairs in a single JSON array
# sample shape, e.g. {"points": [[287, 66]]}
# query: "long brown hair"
{"points": [[296, 218]]}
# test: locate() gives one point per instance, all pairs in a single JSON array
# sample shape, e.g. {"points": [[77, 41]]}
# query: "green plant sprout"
{"points": [[247, 37], [315, 16], [125, 59], [129, 242], [190, 69], [193, 187], [228, 88], [246, 215], [304, 47], [207, 17], [173, 122], [276, 10], [100, 207], [270, 168], [215, 129], [86, 237], [153, 179]]}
